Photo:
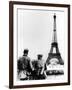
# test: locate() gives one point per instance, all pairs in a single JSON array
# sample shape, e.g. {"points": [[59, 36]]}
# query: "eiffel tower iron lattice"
{"points": [[54, 45]]}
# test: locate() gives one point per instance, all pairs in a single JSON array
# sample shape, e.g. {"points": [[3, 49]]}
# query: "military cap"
{"points": [[39, 55], [25, 51]]}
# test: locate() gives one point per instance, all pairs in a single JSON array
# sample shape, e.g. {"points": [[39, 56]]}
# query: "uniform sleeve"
{"points": [[31, 65], [45, 67], [19, 66]]}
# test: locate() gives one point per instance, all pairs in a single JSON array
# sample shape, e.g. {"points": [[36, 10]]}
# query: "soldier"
{"points": [[40, 68], [24, 66]]}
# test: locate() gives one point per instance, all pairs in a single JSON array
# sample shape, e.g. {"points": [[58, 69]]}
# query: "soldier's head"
{"points": [[40, 56], [25, 52]]}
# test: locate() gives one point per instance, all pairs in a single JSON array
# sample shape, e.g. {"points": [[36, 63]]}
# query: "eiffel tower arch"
{"points": [[54, 46]]}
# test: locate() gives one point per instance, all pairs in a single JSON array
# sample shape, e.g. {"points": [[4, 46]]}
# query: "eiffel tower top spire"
{"points": [[54, 29]]}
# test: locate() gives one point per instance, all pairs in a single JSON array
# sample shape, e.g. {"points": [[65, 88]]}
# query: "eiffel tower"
{"points": [[54, 46]]}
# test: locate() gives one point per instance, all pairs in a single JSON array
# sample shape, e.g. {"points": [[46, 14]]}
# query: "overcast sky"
{"points": [[35, 31]]}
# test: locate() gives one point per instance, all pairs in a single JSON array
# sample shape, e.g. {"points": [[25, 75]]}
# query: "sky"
{"points": [[35, 32]]}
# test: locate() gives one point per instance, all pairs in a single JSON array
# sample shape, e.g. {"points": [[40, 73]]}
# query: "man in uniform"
{"points": [[24, 66], [40, 68]]}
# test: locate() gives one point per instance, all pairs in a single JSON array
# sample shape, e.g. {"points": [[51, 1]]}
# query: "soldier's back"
{"points": [[23, 62], [41, 63]]}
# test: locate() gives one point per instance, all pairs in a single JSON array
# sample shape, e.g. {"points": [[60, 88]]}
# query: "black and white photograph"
{"points": [[40, 44], [42, 63]]}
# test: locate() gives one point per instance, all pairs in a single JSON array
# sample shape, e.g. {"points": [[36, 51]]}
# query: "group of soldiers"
{"points": [[31, 70]]}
